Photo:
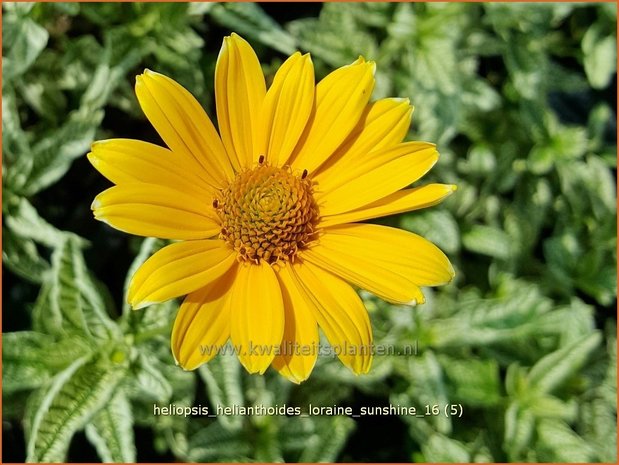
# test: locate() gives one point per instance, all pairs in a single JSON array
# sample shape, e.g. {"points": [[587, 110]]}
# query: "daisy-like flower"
{"points": [[266, 213]]}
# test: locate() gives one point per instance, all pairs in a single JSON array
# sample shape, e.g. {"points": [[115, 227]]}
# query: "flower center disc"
{"points": [[267, 213]]}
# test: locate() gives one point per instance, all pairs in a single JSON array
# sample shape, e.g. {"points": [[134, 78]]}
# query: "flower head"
{"points": [[266, 212]]}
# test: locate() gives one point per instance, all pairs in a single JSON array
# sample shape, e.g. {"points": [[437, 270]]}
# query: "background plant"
{"points": [[521, 101]]}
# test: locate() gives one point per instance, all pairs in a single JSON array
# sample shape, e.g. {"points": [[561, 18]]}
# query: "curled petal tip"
{"points": [[401, 100], [372, 65], [452, 273], [140, 305], [235, 38]]}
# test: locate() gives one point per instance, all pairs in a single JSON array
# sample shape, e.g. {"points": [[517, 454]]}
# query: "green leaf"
{"points": [[111, 431], [249, 20], [507, 80], [22, 257], [172, 431], [68, 8], [546, 406], [74, 296], [600, 56], [217, 443], [45, 97], [562, 254], [18, 8], [222, 377], [480, 162], [601, 187], [23, 41], [481, 322], [21, 364], [557, 442], [72, 398], [554, 369], [598, 121], [25, 221], [442, 449], [110, 73], [541, 159], [294, 433], [598, 411], [519, 429], [527, 65], [570, 142], [471, 381], [267, 445], [16, 153], [148, 380], [331, 435], [599, 427], [337, 37], [515, 380], [427, 387], [153, 324], [573, 322], [487, 240], [30, 358], [53, 154]]}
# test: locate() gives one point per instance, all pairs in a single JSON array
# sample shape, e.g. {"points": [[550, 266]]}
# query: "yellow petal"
{"points": [[125, 161], [179, 269], [340, 313], [156, 211], [340, 100], [386, 172], [257, 308], [286, 109], [388, 262], [383, 124], [239, 93], [398, 202], [299, 348], [183, 125], [202, 325]]}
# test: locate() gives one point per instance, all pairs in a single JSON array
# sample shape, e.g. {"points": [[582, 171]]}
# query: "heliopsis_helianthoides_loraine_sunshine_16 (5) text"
{"points": [[267, 215]]}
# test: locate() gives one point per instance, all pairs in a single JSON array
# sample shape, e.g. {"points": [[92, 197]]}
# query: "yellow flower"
{"points": [[266, 212]]}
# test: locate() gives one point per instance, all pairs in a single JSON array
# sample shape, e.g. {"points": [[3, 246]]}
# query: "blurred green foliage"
{"points": [[521, 101]]}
